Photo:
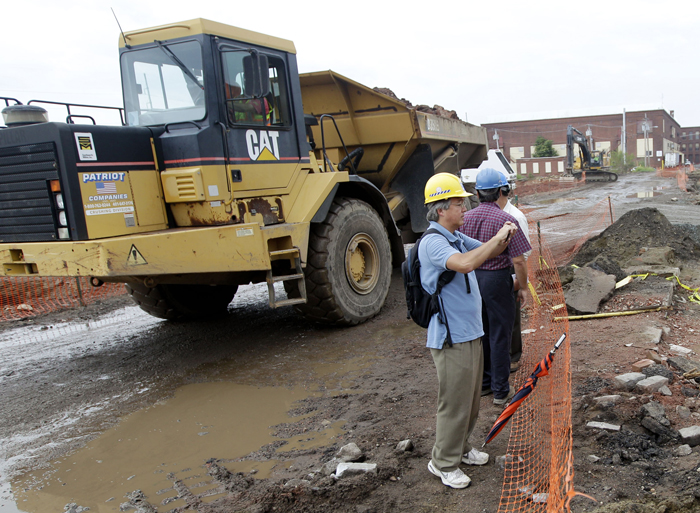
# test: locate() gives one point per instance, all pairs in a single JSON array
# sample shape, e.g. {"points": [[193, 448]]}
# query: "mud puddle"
{"points": [[644, 194], [552, 201], [171, 441], [230, 414]]}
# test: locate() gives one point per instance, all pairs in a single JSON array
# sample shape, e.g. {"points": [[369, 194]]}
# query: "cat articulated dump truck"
{"points": [[230, 168]]}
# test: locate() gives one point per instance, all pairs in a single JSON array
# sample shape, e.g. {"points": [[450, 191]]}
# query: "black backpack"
{"points": [[421, 305]]}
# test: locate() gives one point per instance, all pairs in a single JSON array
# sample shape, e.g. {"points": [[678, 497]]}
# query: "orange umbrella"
{"points": [[542, 369]]}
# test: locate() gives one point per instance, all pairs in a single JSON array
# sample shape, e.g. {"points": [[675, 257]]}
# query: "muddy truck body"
{"points": [[230, 169]]}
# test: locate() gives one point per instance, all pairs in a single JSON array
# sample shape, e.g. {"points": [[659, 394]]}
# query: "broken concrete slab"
{"points": [[690, 435], [353, 469], [651, 384], [680, 350], [629, 381], [664, 390], [588, 290], [659, 270], [606, 401], [655, 410], [603, 425], [683, 364]]}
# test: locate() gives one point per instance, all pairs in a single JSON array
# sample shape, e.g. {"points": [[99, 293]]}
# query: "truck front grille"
{"points": [[26, 210]]}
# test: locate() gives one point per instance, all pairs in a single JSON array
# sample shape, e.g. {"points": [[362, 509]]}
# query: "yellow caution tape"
{"points": [[694, 297], [575, 266], [558, 307], [533, 293], [671, 278]]}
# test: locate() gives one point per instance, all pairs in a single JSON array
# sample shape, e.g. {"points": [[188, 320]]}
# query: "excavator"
{"points": [[591, 165]]}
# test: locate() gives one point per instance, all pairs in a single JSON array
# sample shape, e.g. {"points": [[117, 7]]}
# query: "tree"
{"points": [[621, 163], [543, 148]]}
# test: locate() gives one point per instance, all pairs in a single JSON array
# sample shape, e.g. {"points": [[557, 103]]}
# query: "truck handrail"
{"points": [[323, 145], [7, 100], [69, 105]]}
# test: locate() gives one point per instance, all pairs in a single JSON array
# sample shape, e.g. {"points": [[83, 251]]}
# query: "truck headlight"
{"points": [[63, 233], [62, 220], [59, 201]]}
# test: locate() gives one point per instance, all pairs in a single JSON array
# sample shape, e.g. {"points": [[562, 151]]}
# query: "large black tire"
{"points": [[180, 302], [348, 270]]}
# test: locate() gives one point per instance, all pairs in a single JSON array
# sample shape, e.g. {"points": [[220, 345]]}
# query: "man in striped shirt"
{"points": [[495, 281]]}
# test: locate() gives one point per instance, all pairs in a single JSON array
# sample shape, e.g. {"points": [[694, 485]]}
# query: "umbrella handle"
{"points": [[559, 342]]}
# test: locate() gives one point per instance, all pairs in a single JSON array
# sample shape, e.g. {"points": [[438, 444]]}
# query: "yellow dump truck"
{"points": [[230, 168]]}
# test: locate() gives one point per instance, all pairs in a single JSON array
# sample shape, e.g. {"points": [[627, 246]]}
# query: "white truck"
{"points": [[494, 160]]}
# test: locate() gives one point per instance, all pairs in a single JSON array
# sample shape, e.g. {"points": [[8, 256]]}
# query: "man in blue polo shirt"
{"points": [[458, 359], [495, 280]]}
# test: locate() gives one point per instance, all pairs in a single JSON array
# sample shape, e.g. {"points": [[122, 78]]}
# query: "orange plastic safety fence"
{"points": [[680, 173], [26, 296], [566, 233], [539, 462]]}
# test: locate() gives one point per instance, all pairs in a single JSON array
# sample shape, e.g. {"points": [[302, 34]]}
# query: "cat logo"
{"points": [[86, 146], [262, 146]]}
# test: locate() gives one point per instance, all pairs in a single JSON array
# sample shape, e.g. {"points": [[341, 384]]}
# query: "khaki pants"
{"points": [[459, 370]]}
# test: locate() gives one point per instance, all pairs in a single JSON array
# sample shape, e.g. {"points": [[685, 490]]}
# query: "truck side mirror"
{"points": [[256, 75], [264, 75]]}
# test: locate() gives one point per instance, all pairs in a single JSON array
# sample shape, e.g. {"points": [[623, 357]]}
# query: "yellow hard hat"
{"points": [[443, 186]]}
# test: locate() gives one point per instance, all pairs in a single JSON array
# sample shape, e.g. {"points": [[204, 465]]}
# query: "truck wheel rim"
{"points": [[362, 263]]}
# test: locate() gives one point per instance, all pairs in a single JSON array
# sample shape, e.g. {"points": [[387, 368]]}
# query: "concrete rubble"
{"points": [[588, 290]]}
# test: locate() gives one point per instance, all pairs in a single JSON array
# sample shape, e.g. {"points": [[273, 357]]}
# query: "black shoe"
{"points": [[486, 391]]}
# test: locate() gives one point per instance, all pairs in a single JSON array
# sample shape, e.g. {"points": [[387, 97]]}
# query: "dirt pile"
{"points": [[436, 110], [637, 229]]}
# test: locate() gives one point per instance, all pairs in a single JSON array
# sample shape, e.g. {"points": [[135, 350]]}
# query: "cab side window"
{"points": [[248, 101]]}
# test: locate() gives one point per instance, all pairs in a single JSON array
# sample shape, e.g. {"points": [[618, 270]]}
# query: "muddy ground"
{"points": [[374, 385]]}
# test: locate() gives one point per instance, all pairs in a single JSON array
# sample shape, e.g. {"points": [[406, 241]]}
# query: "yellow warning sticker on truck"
{"points": [[135, 257], [86, 146]]}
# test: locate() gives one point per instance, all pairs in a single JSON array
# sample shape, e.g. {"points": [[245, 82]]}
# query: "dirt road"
{"points": [[103, 402]]}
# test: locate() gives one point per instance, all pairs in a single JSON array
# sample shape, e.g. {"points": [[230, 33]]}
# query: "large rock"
{"points": [[690, 435], [588, 290], [349, 452]]}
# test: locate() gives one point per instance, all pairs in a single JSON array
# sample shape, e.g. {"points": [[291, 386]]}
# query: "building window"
{"points": [[535, 167], [682, 135], [523, 168]]}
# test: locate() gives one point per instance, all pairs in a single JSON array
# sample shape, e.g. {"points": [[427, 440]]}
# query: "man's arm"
{"points": [[467, 262], [520, 266]]}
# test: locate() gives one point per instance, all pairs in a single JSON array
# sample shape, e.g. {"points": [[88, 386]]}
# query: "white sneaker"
{"points": [[454, 479], [475, 457]]}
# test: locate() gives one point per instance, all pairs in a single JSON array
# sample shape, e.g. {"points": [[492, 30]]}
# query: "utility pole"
{"points": [[624, 136], [495, 136], [645, 129]]}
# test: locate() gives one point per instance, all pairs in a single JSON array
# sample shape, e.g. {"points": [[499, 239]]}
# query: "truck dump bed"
{"points": [[402, 146]]}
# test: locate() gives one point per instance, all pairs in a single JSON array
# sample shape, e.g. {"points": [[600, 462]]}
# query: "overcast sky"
{"points": [[488, 60]]}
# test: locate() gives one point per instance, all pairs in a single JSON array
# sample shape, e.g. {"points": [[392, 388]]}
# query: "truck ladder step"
{"points": [[298, 276]]}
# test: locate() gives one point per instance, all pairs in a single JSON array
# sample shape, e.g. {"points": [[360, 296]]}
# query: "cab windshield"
{"points": [[163, 84]]}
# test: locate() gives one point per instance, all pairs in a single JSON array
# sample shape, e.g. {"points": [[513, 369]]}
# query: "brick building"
{"points": [[661, 143]]}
